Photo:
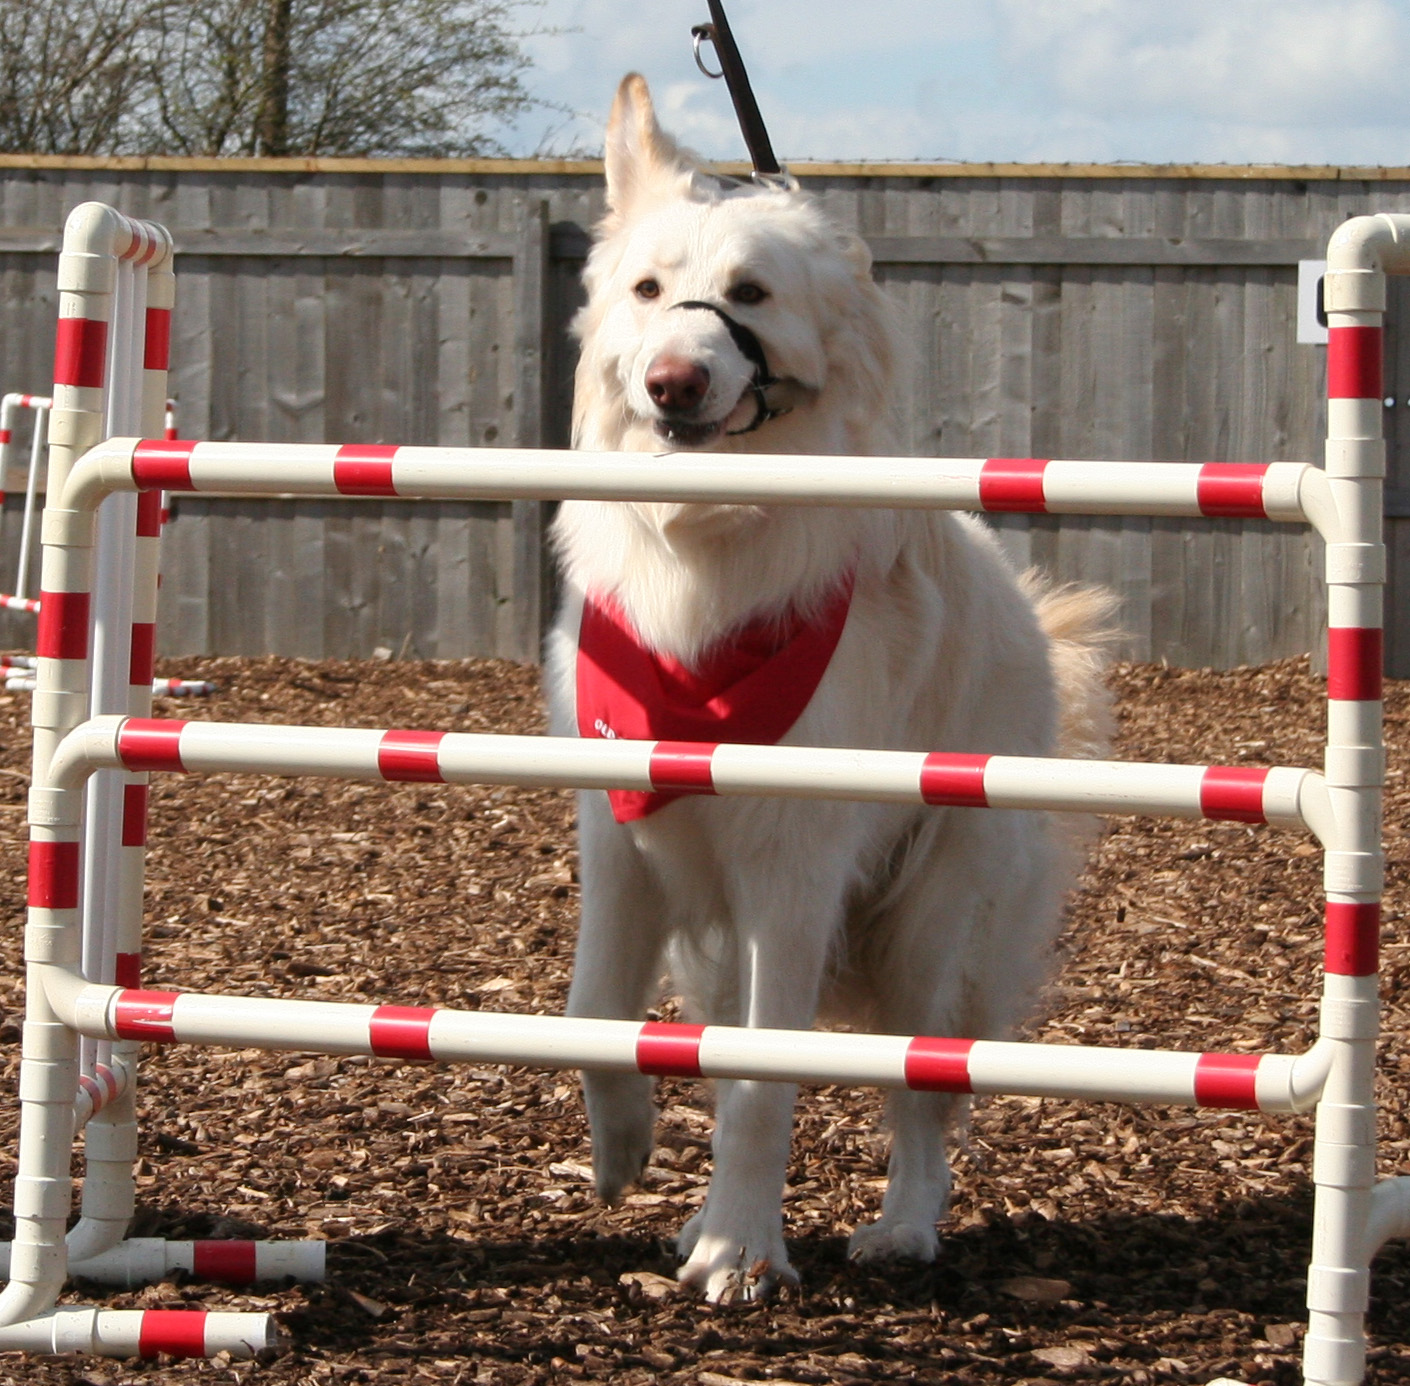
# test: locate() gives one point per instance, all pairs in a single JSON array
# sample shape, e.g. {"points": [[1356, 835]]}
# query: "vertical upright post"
{"points": [[49, 1052], [529, 567], [1345, 1144], [39, 439], [96, 240], [113, 953]]}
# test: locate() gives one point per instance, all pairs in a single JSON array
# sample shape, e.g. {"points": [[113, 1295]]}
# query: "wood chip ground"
{"points": [[1086, 1242]]}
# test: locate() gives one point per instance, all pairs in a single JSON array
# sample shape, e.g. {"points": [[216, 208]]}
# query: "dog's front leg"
{"points": [[733, 1248], [615, 971]]}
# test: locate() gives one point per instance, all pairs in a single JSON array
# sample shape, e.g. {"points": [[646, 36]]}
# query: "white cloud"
{"points": [[1301, 81], [1252, 61]]}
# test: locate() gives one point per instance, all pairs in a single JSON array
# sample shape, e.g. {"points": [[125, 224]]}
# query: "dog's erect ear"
{"points": [[639, 153]]}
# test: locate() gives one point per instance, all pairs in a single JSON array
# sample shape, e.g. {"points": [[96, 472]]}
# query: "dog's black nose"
{"points": [[676, 384]]}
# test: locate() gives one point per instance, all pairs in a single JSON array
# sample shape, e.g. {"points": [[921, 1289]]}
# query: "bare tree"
{"points": [[219, 77], [70, 71], [329, 77]]}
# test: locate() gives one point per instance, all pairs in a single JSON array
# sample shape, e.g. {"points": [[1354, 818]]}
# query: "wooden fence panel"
{"points": [[1104, 313]]}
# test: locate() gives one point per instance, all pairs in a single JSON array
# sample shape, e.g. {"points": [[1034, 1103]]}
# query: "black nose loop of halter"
{"points": [[752, 349]]}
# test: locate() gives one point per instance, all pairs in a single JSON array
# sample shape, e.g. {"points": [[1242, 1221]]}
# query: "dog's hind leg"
{"points": [[615, 973], [918, 1181], [962, 945]]}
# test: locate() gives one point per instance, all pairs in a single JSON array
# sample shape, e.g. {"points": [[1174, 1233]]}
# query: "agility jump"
{"points": [[87, 1012]]}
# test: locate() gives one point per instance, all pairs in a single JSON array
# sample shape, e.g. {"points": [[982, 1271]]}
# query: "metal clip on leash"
{"points": [[767, 168]]}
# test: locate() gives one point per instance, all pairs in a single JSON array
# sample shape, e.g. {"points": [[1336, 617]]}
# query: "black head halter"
{"points": [[752, 349]]}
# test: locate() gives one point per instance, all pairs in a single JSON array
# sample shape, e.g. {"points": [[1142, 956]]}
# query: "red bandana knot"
{"points": [[749, 688]]}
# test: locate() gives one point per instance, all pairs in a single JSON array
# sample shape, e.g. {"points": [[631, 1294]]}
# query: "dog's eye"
{"points": [[648, 288], [748, 293]]}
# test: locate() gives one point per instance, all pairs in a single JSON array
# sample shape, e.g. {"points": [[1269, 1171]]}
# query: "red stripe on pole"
{"points": [[127, 971], [149, 514], [80, 353], [163, 464], [144, 653], [938, 1065], [364, 469], [145, 1015], [134, 815], [401, 1032], [1353, 938], [53, 875], [954, 779], [230, 1263], [1355, 657], [148, 743], [1354, 368], [1233, 792], [410, 755], [63, 625], [156, 349], [1013, 483], [1227, 1080], [1232, 490], [669, 1051], [682, 767], [179, 1332]]}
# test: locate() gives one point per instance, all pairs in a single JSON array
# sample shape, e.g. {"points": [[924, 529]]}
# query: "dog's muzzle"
{"points": [[773, 395]]}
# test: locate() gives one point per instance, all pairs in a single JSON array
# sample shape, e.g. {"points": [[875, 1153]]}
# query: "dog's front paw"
{"points": [[727, 1270], [622, 1118], [884, 1240]]}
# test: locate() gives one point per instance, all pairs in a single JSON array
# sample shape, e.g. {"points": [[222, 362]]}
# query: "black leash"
{"points": [[751, 123], [766, 169]]}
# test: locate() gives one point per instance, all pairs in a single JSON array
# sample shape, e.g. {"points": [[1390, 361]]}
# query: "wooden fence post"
{"points": [[521, 634]]}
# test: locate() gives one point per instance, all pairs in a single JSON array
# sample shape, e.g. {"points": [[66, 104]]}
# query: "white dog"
{"points": [[711, 309]]}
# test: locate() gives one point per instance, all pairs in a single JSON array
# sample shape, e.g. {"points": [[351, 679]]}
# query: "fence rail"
{"points": [[1100, 313]]}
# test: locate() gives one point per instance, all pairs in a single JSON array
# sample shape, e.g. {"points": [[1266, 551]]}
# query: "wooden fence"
{"points": [[1106, 313]]}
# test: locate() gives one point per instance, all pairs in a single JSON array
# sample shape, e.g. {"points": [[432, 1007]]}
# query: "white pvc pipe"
{"points": [[1274, 795], [141, 1261], [39, 438], [1271, 1082], [142, 1333], [946, 483]]}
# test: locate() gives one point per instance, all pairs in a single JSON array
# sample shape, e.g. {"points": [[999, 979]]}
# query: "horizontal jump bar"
{"points": [[1266, 1082], [1272, 490], [1238, 793]]}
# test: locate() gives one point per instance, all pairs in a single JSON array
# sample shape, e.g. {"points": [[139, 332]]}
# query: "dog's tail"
{"points": [[1080, 623]]}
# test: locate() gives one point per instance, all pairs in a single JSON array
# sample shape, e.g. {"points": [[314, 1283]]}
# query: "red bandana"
{"points": [[751, 687]]}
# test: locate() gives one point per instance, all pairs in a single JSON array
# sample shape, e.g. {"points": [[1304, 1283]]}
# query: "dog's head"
{"points": [[701, 289]]}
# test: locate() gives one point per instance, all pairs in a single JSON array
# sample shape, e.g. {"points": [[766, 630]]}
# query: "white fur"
{"points": [[781, 912]]}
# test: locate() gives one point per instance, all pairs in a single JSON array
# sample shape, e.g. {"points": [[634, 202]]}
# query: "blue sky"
{"points": [[1207, 81]]}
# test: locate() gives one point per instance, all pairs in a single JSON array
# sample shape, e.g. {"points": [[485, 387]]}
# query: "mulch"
{"points": [[1086, 1241]]}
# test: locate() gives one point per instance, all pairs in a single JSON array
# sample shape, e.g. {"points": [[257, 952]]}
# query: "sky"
{"points": [[1009, 81]]}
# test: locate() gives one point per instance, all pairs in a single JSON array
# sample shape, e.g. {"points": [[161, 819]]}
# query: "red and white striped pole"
{"points": [[1283, 491], [115, 839], [97, 240], [1360, 252], [1282, 796], [1262, 1082]]}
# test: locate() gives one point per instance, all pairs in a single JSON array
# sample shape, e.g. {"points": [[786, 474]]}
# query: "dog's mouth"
{"points": [[688, 433], [688, 430]]}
